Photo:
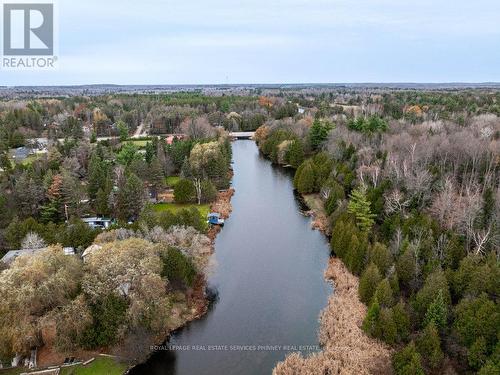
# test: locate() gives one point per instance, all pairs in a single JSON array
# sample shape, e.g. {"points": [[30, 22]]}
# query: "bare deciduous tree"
{"points": [[197, 128], [33, 241]]}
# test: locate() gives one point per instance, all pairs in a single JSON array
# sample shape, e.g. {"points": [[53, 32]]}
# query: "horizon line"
{"points": [[264, 84]]}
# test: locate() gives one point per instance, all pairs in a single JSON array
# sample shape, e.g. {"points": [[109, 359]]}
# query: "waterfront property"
{"points": [[98, 222], [215, 219]]}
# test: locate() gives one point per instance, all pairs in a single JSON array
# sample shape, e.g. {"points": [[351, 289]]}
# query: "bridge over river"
{"points": [[242, 135]]}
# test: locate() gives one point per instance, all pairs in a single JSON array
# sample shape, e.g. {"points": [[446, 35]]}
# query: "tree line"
{"points": [[414, 211]]}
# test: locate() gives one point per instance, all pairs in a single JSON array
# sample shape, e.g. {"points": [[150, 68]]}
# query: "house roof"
{"points": [[92, 219], [69, 250], [13, 254], [21, 153]]}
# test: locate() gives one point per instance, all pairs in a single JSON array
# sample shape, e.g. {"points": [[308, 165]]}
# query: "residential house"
{"points": [[98, 222]]}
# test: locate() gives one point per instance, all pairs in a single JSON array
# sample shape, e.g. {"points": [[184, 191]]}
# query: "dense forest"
{"points": [[411, 190], [131, 280], [408, 179]]}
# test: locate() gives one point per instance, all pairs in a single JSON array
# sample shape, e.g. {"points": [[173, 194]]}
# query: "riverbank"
{"points": [[317, 212], [187, 306], [346, 348], [223, 206]]}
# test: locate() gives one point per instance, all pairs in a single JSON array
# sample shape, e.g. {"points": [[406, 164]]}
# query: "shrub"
{"points": [[371, 322], [77, 234], [208, 191], [354, 257], [477, 317], [434, 284], [177, 268], [402, 321], [336, 194], [295, 154], [478, 353], [304, 180], [368, 283], [166, 219], [349, 243], [408, 361], [476, 275], [191, 217], [108, 314], [437, 313], [405, 267], [490, 368], [368, 125], [318, 133], [184, 191], [429, 346], [323, 166], [387, 326], [383, 293], [380, 255]]}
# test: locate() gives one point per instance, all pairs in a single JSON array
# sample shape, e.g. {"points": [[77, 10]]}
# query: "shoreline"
{"points": [[197, 297], [201, 302], [346, 349]]}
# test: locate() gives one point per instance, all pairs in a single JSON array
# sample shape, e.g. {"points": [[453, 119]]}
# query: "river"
{"points": [[268, 279]]}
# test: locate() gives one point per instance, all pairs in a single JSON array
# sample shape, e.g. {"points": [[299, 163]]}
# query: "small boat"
{"points": [[213, 218]]}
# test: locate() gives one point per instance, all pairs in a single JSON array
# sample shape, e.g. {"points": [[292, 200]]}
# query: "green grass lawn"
{"points": [[13, 371], [174, 207], [140, 143], [100, 366], [30, 159], [172, 180]]}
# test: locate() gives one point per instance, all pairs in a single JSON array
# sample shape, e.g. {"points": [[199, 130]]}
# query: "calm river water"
{"points": [[268, 279]]}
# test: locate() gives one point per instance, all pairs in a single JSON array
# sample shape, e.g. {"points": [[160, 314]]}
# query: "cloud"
{"points": [[158, 41]]}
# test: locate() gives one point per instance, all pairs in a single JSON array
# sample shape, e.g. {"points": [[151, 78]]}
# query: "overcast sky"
{"points": [[266, 41]]}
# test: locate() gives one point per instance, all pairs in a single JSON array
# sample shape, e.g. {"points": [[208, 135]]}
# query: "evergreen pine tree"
{"points": [[306, 178], [97, 173], [383, 293], [359, 205], [370, 323], [318, 134], [437, 312], [408, 361], [429, 346], [295, 154], [368, 283], [402, 321]]}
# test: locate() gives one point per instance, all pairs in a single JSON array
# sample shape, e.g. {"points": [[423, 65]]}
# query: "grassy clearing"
{"points": [[13, 371], [314, 202], [172, 180], [175, 207], [320, 218], [30, 159], [101, 366], [140, 143]]}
